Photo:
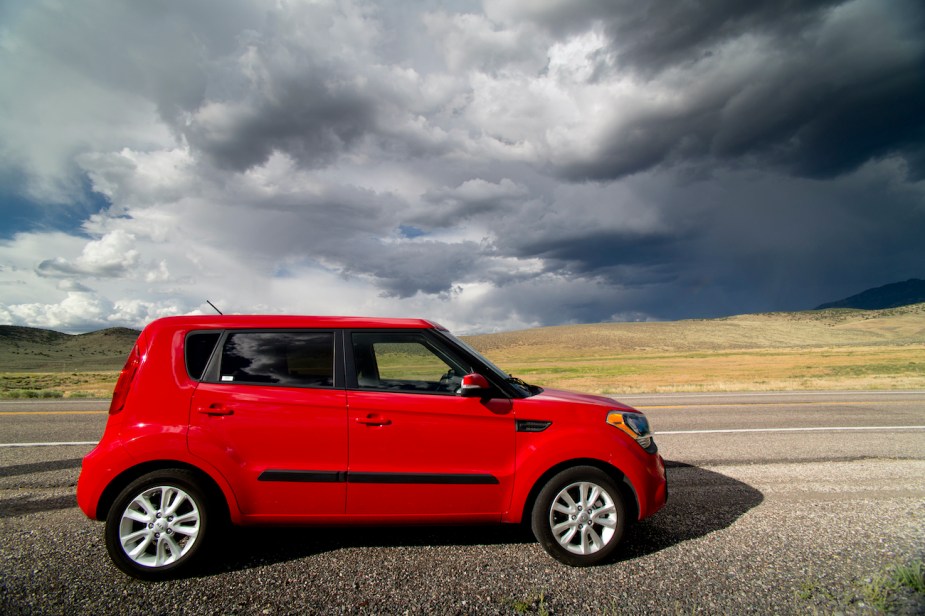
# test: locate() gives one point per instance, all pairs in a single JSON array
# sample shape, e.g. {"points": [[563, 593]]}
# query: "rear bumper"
{"points": [[99, 468]]}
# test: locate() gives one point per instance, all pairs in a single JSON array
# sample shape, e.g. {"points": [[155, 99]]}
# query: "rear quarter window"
{"points": [[199, 347]]}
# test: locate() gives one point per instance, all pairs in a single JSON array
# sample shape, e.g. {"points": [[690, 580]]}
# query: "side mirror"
{"points": [[473, 386]]}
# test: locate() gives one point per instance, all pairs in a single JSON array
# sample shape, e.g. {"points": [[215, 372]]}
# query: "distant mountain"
{"points": [[893, 295], [29, 348]]}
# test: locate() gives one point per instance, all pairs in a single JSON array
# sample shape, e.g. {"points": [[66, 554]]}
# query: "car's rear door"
{"points": [[270, 415], [416, 448]]}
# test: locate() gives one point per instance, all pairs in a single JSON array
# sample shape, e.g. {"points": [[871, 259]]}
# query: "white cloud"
{"points": [[78, 310], [113, 255]]}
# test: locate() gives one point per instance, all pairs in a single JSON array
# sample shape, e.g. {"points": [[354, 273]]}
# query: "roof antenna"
{"points": [[214, 308]]}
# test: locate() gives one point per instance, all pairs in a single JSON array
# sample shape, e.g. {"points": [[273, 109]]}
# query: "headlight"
{"points": [[634, 424]]}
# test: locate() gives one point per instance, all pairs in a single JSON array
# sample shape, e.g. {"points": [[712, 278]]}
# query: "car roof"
{"points": [[246, 321]]}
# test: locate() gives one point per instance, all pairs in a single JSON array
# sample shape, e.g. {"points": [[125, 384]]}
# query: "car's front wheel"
{"points": [[157, 524], [579, 516]]}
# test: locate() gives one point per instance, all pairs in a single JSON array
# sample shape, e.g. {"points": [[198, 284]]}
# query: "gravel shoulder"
{"points": [[737, 538]]}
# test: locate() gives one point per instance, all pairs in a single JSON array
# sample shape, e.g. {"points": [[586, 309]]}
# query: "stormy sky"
{"points": [[490, 165]]}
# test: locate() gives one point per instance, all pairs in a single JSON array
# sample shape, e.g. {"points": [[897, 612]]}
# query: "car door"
{"points": [[416, 448], [270, 415]]}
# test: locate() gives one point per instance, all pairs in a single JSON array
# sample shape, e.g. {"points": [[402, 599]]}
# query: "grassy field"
{"points": [[743, 370], [827, 349], [816, 350], [38, 363], [57, 384]]}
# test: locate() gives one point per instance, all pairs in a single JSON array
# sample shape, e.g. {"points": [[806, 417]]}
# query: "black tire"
{"points": [[158, 524], [590, 531]]}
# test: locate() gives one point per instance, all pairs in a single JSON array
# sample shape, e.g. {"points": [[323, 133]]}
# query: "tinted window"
{"points": [[405, 362], [294, 359], [199, 346]]}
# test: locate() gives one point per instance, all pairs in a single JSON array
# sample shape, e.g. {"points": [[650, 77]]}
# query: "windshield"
{"points": [[525, 389]]}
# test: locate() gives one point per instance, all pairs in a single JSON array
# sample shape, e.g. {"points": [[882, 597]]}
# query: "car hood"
{"points": [[561, 395]]}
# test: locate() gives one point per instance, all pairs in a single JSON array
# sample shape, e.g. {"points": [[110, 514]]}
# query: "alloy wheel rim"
{"points": [[159, 526], [583, 518]]}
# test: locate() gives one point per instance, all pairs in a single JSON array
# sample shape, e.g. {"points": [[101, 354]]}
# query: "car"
{"points": [[297, 420]]}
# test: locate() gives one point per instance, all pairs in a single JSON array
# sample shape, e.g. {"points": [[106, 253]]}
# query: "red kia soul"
{"points": [[337, 420]]}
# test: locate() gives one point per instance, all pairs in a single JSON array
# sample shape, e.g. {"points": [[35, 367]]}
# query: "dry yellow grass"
{"points": [[830, 349], [57, 384], [746, 370]]}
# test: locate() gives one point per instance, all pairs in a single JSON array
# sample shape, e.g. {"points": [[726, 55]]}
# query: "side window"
{"points": [[404, 362], [292, 359], [199, 346]]}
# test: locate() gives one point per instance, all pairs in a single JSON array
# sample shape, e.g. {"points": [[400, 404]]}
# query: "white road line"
{"points": [[822, 429], [48, 444], [767, 394]]}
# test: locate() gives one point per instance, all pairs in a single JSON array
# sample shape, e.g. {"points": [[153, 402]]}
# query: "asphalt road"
{"points": [[780, 503]]}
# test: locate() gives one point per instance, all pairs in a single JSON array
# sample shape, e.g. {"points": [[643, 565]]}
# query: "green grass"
{"points": [[897, 588], [886, 591], [534, 603], [911, 576], [31, 393], [899, 367]]}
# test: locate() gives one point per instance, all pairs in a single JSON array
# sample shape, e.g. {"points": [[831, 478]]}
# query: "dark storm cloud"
{"points": [[472, 199], [307, 119], [233, 78], [652, 36], [428, 267], [624, 256], [832, 85], [738, 243], [663, 245]]}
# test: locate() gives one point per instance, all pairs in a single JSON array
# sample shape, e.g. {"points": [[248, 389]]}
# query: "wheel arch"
{"points": [[627, 491], [213, 491]]}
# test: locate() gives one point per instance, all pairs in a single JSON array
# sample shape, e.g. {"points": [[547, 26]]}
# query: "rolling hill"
{"points": [[808, 329], [911, 291], [31, 349]]}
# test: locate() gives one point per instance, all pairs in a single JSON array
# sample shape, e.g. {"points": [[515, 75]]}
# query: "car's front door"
{"points": [[270, 416], [416, 448]]}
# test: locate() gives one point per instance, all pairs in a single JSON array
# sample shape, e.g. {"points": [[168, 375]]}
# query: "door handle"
{"points": [[373, 420], [216, 409]]}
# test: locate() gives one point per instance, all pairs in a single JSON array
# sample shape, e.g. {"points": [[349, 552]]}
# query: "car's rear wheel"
{"points": [[157, 524], [579, 517]]}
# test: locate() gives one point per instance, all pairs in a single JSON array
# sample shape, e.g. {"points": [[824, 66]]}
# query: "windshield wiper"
{"points": [[532, 389]]}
